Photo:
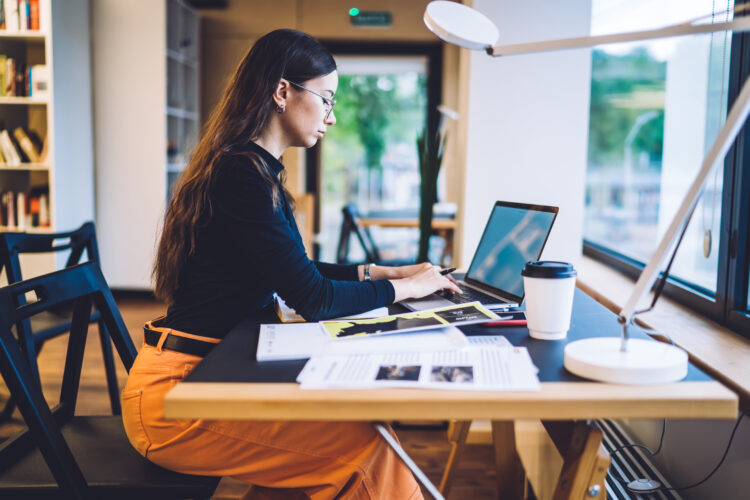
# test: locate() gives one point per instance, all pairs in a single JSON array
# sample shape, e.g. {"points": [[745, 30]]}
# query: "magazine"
{"points": [[462, 314]]}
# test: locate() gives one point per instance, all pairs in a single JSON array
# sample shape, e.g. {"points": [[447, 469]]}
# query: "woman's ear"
{"points": [[280, 95]]}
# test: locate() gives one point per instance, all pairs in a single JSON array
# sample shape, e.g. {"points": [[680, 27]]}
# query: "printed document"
{"points": [[303, 340], [482, 367], [288, 315], [461, 314]]}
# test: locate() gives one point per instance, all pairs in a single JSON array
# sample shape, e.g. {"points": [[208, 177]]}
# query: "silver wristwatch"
{"points": [[367, 271]]}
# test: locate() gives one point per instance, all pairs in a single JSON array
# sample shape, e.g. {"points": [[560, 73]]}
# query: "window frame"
{"points": [[434, 53], [728, 306]]}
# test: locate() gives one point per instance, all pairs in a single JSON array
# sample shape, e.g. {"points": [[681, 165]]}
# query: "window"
{"points": [[656, 109], [370, 157]]}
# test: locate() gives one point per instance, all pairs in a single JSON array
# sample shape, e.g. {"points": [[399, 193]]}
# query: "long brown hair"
{"points": [[240, 117]]}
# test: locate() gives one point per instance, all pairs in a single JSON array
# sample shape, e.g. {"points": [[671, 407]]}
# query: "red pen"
{"points": [[510, 322]]}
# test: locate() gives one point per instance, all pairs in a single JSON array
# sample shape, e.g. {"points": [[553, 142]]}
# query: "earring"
{"points": [[280, 109]]}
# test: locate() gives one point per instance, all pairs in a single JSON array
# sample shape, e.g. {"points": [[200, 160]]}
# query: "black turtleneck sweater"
{"points": [[248, 249]]}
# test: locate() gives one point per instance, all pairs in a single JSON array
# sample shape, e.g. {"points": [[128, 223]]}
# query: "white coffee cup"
{"points": [[549, 287]]}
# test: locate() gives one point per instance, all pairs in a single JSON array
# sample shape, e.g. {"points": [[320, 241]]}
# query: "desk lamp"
{"points": [[609, 359]]}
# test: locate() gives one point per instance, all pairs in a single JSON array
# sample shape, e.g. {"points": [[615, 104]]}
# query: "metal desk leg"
{"points": [[511, 477], [421, 478]]}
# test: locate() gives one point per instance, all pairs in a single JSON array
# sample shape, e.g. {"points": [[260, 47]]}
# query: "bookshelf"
{"points": [[147, 122], [21, 105], [52, 105], [182, 87]]}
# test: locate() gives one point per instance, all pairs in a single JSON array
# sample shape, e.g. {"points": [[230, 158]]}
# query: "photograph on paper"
{"points": [[453, 374], [398, 372], [462, 314]]}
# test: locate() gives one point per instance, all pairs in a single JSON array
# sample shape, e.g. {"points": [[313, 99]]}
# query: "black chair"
{"points": [[85, 457], [33, 334], [350, 225]]}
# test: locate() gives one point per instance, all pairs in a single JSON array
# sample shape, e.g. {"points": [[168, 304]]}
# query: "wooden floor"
{"points": [[428, 447]]}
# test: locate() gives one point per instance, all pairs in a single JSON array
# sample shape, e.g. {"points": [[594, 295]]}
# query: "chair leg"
{"points": [[10, 405], [109, 368], [457, 434], [7, 411]]}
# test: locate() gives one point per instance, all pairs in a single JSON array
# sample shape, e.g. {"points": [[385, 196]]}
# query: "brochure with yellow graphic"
{"points": [[462, 314]]}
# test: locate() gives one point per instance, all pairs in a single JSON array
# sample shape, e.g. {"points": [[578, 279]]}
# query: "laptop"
{"points": [[515, 234]]}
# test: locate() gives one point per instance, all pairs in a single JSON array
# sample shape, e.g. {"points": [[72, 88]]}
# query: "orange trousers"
{"points": [[317, 460]]}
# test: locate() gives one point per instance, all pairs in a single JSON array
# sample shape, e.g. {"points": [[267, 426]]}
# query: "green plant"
{"points": [[430, 150]]}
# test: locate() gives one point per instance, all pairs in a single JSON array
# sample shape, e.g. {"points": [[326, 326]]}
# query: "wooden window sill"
{"points": [[718, 351]]}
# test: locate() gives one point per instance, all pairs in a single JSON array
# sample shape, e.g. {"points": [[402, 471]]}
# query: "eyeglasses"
{"points": [[328, 103]]}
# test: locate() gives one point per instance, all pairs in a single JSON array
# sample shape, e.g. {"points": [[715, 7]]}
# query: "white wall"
{"points": [[692, 448], [528, 122], [73, 149], [129, 54]]}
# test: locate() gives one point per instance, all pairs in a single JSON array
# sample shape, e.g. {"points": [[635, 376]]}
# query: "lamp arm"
{"points": [[724, 139], [738, 24]]}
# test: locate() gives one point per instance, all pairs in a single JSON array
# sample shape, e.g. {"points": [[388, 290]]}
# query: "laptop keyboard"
{"points": [[468, 295]]}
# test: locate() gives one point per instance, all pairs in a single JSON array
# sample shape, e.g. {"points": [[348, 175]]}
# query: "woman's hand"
{"points": [[391, 273], [423, 281]]}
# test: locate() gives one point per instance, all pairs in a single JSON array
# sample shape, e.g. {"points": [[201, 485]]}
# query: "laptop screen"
{"points": [[515, 234]]}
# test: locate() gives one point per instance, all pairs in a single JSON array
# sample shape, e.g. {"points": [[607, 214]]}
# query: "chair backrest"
{"points": [[14, 244], [82, 285], [350, 225]]}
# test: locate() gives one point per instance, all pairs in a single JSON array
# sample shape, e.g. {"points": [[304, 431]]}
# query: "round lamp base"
{"points": [[645, 362]]}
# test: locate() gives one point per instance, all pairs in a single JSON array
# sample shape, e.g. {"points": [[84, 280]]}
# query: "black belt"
{"points": [[184, 345]]}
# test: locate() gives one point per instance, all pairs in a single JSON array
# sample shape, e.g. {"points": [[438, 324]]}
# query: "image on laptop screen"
{"points": [[514, 235]]}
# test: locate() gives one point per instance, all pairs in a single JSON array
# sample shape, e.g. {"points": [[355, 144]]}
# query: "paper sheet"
{"points": [[496, 340], [288, 315], [303, 340], [477, 367]]}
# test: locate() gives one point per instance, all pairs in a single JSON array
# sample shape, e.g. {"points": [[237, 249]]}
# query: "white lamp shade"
{"points": [[460, 25]]}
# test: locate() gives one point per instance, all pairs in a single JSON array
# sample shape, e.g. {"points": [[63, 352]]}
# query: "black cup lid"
{"points": [[549, 269]]}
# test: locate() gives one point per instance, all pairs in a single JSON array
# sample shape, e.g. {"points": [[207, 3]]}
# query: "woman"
{"points": [[229, 242]]}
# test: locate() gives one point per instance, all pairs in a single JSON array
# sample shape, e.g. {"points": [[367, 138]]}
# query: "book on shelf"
{"points": [[14, 79], [44, 220], [11, 11], [9, 77], [19, 80], [38, 81], [19, 15], [10, 154], [27, 146], [3, 72], [22, 211], [34, 23], [9, 212]]}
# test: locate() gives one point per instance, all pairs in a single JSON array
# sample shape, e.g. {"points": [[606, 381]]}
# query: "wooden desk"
{"points": [[229, 384], [437, 224], [443, 226]]}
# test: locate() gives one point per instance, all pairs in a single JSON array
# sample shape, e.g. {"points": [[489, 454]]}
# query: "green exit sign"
{"points": [[369, 18]]}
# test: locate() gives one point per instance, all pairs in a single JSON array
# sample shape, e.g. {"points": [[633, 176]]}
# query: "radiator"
{"points": [[629, 464]]}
